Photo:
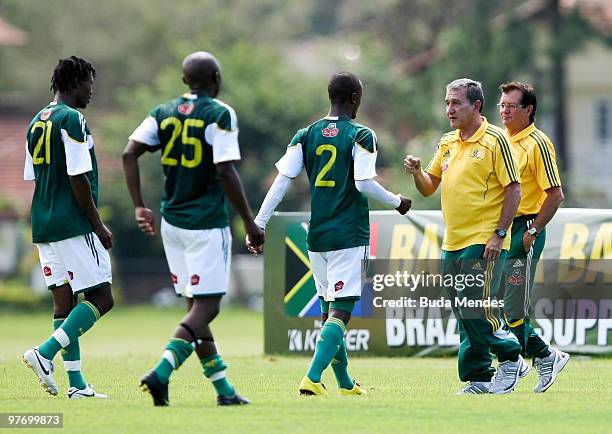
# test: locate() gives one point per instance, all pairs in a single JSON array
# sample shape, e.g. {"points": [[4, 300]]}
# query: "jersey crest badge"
{"points": [[195, 279], [516, 278], [339, 285], [47, 271], [478, 154], [444, 166], [45, 115], [330, 131], [186, 108]]}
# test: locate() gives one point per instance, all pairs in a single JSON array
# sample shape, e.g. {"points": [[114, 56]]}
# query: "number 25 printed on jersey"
{"points": [[182, 129]]}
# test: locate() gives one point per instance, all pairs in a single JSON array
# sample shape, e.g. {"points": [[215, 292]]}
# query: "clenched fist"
{"points": [[405, 205], [412, 164]]}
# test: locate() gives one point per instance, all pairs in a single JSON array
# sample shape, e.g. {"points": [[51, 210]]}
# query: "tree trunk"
{"points": [[558, 84]]}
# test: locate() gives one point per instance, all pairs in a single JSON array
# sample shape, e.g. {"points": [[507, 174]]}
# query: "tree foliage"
{"points": [[276, 57]]}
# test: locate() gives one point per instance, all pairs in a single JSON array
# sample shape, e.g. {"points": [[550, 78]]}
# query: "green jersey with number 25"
{"points": [[195, 132]]}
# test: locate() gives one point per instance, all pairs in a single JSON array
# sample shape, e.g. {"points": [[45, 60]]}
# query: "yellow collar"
{"points": [[522, 134], [477, 135]]}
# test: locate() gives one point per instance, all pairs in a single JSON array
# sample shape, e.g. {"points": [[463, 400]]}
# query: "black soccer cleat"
{"points": [[232, 400], [159, 391]]}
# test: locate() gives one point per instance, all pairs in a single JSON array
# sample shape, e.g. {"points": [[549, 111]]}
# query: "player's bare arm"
{"points": [[425, 182], [554, 199], [82, 191], [144, 216], [235, 193], [512, 198]]}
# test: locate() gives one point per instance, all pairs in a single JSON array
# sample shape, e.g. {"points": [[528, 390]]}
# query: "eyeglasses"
{"points": [[504, 106]]}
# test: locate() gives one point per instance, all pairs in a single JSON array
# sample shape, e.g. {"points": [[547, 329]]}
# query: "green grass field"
{"points": [[415, 395]]}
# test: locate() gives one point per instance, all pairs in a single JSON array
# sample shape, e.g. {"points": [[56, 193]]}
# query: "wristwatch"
{"points": [[501, 233], [533, 232]]}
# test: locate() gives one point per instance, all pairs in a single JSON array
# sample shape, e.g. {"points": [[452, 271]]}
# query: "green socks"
{"points": [[214, 369], [72, 360], [177, 351], [340, 366], [327, 347], [81, 319]]}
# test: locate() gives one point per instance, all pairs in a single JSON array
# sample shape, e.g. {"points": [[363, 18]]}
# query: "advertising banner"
{"points": [[405, 307]]}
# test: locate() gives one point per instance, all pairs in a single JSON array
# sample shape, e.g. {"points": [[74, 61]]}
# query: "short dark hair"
{"points": [[473, 90], [71, 72], [529, 96], [342, 85]]}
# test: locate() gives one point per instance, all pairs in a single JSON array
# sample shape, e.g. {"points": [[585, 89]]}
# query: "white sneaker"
{"points": [[548, 368], [506, 377], [43, 368], [88, 392], [524, 368], [475, 388]]}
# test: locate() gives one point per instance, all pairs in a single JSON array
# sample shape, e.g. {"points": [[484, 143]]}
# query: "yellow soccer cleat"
{"points": [[309, 388], [356, 390]]}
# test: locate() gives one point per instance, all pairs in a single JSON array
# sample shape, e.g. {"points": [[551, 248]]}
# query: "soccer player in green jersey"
{"points": [[198, 138], [66, 227], [339, 156], [542, 196]]}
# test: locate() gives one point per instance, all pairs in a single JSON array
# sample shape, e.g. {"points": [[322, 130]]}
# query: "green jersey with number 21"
{"points": [[59, 145]]}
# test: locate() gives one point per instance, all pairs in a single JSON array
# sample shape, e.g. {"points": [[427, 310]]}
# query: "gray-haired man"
{"points": [[477, 172]]}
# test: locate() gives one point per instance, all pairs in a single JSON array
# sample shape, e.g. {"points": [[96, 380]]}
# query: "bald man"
{"points": [[198, 138]]}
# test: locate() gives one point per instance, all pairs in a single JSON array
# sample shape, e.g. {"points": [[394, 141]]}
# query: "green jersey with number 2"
{"points": [[339, 212]]}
